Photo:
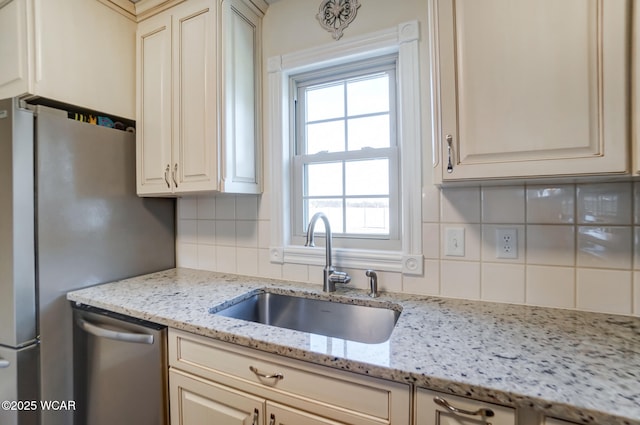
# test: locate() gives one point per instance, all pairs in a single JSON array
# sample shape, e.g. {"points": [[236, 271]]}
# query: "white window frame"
{"points": [[387, 64], [403, 41]]}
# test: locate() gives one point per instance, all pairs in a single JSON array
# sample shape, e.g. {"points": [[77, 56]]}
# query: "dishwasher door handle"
{"points": [[115, 335]]}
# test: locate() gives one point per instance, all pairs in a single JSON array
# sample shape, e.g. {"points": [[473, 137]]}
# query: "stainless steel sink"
{"points": [[367, 324]]}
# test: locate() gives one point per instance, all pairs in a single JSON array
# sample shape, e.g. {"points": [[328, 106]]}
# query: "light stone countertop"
{"points": [[574, 365]]}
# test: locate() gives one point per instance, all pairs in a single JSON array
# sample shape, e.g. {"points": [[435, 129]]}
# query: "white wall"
{"points": [[576, 242]]}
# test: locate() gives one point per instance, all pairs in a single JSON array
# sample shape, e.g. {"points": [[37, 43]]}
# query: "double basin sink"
{"points": [[362, 323]]}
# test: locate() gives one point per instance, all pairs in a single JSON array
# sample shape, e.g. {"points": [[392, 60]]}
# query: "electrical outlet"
{"points": [[454, 241], [506, 243]]}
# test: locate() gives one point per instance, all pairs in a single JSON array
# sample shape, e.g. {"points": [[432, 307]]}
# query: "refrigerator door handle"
{"points": [[4, 363], [115, 335]]}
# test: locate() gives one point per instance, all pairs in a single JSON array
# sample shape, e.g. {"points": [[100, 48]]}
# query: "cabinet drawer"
{"points": [[230, 365]]}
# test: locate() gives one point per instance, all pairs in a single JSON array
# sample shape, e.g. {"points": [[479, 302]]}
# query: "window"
{"points": [[345, 153], [355, 156]]}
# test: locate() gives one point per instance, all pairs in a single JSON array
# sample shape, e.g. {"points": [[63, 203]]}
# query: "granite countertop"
{"points": [[575, 365]]}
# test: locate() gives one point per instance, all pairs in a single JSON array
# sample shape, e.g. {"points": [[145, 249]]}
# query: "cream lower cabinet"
{"points": [[213, 380], [433, 408], [198, 91], [530, 88], [197, 401], [74, 51]]}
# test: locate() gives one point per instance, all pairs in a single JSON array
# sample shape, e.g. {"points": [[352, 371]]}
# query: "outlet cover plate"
{"points": [[507, 243]]}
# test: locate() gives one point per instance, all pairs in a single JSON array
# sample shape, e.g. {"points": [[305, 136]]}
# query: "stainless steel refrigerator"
{"points": [[69, 218]]}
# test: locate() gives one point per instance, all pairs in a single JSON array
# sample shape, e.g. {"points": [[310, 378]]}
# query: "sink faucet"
{"points": [[330, 276]]}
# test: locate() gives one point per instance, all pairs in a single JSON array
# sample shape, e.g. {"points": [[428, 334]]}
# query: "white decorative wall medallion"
{"points": [[336, 15]]}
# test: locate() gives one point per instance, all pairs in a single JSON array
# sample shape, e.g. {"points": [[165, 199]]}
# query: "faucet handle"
{"points": [[340, 277]]}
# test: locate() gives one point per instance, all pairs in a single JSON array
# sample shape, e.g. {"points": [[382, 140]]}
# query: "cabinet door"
{"points": [[241, 52], [195, 164], [282, 415], [428, 412], [532, 88], [195, 401], [14, 47], [153, 136]]}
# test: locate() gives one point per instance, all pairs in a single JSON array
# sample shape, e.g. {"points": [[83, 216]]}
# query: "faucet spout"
{"points": [[330, 274]]}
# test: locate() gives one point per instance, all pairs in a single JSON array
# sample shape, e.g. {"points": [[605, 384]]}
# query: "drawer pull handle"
{"points": [[485, 413], [265, 376], [272, 421], [255, 417]]}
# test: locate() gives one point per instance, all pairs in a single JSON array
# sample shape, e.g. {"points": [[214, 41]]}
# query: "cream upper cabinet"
{"points": [[530, 88], [74, 51], [198, 84], [433, 408]]}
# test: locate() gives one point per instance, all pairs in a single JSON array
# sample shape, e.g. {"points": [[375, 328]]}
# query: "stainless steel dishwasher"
{"points": [[120, 369]]}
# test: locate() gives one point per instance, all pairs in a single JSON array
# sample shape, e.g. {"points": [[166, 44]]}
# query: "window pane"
{"points": [[367, 177], [324, 179], [325, 102], [370, 132], [326, 136], [332, 208], [368, 216], [368, 95]]}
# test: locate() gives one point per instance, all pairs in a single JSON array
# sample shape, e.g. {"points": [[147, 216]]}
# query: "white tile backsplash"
{"points": [[427, 284], [206, 207], [207, 257], [226, 207], [577, 244], [605, 203], [550, 245], [206, 232], [247, 261], [247, 233], [187, 208], [503, 282], [605, 247], [607, 291], [552, 204], [550, 286], [503, 204], [460, 279], [460, 205], [431, 233], [246, 207]]}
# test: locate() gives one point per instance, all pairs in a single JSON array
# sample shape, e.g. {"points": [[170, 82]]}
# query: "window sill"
{"points": [[392, 261]]}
